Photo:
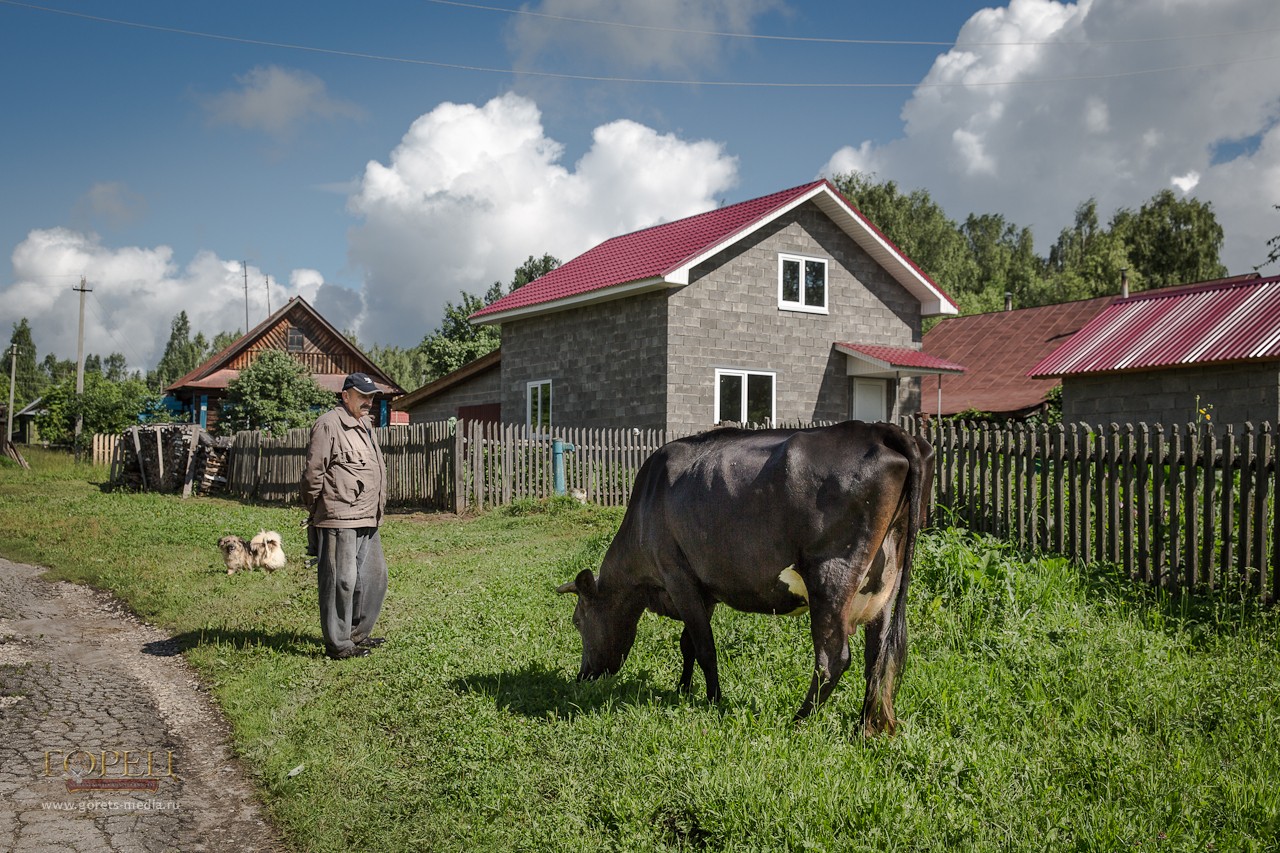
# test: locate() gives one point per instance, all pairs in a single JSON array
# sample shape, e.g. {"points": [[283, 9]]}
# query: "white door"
{"points": [[870, 399]]}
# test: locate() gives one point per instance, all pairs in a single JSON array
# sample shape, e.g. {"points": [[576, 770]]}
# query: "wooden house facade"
{"points": [[296, 329]]}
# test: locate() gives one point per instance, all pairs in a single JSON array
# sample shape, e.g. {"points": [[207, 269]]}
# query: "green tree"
{"points": [[275, 393], [1006, 261], [1274, 244], [457, 340], [1171, 240], [106, 407], [181, 354], [406, 366], [1087, 260], [54, 370], [29, 382], [222, 340]]}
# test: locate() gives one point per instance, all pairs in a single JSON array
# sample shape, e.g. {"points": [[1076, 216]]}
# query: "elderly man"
{"points": [[344, 488]]}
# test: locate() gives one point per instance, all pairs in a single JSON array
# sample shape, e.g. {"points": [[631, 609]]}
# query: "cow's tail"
{"points": [[884, 671]]}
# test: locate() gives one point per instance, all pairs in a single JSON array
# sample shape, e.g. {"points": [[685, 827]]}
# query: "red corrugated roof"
{"points": [[998, 349], [1236, 319], [654, 253], [901, 357]]}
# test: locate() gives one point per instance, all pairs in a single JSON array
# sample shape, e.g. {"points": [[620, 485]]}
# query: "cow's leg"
{"points": [[688, 655], [696, 641], [830, 648], [886, 649], [882, 660]]}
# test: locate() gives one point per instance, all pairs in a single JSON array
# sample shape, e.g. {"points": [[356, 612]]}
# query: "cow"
{"points": [[774, 521]]}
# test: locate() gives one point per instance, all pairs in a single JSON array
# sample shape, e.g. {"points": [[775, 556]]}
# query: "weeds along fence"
{"points": [[1174, 506]]}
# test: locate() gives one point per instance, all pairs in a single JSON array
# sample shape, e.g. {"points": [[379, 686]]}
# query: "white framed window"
{"points": [[537, 395], [802, 284], [746, 396]]}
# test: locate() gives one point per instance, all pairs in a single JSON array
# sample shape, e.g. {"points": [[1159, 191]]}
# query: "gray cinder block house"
{"points": [[789, 307], [1161, 356]]}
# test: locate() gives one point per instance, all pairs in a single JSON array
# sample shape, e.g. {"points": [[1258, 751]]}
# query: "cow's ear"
{"points": [[584, 584]]}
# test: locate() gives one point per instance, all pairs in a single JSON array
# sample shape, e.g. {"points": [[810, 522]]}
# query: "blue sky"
{"points": [[379, 158]]}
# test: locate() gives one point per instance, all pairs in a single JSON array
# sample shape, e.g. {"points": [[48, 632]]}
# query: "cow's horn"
{"points": [[571, 586]]}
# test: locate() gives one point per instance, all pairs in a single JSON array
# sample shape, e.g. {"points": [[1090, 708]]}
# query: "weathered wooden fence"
{"points": [[1175, 506], [418, 456]]}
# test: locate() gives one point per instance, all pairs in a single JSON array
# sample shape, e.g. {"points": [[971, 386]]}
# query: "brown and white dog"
{"points": [[236, 554], [267, 549]]}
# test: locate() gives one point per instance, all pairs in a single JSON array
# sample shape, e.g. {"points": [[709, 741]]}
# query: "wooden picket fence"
{"points": [[1176, 506], [419, 461], [1182, 506], [502, 463], [104, 447]]}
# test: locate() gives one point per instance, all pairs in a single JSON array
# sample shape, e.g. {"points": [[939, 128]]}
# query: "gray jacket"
{"points": [[344, 480]]}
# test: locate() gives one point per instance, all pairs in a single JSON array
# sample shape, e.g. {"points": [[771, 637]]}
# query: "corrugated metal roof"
{"points": [[1236, 319], [656, 256], [998, 348]]}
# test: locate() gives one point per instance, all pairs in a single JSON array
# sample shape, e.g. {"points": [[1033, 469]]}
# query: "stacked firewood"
{"points": [[169, 458]]}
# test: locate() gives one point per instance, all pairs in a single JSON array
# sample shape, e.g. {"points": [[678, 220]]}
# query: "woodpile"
{"points": [[170, 458]]}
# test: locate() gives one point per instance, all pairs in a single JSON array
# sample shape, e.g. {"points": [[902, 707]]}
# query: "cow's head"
{"points": [[608, 629]]}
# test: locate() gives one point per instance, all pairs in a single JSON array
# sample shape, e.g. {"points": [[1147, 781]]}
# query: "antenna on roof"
{"points": [[245, 271]]}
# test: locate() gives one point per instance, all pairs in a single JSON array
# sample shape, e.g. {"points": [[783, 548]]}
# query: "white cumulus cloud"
{"points": [[472, 191], [1043, 104], [135, 294]]}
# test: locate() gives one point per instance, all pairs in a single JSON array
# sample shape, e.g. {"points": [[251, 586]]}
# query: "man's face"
{"points": [[357, 404]]}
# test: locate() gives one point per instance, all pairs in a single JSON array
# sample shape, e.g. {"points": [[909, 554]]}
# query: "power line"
{"points": [[593, 78], [831, 40]]}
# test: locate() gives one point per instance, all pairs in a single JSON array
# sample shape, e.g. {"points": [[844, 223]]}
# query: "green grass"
{"points": [[1042, 707]]}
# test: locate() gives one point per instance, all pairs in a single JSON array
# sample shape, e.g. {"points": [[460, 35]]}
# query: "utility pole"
{"points": [[267, 279], [245, 270], [82, 290], [13, 377]]}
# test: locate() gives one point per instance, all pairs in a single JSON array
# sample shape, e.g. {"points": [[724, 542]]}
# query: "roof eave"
{"points": [[591, 297]]}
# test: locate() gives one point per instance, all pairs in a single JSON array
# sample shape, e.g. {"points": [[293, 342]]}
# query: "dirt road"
{"points": [[107, 742]]}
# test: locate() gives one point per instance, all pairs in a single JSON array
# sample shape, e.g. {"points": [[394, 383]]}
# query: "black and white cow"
{"points": [[772, 521]]}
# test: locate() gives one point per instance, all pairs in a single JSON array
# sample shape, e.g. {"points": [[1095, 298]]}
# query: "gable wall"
{"points": [[321, 352], [728, 317], [606, 363], [1237, 392]]}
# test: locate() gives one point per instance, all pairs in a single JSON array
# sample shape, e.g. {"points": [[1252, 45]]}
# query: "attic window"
{"points": [[802, 284], [294, 343]]}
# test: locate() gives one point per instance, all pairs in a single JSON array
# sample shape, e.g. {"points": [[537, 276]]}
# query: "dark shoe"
{"points": [[357, 652], [370, 642]]}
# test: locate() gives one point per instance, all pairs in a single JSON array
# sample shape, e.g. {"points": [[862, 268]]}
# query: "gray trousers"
{"points": [[352, 575]]}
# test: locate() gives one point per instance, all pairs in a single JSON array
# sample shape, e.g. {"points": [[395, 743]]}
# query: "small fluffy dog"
{"points": [[236, 553], [266, 551]]}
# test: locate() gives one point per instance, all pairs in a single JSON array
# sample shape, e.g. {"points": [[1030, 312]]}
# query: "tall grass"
{"points": [[1043, 707]]}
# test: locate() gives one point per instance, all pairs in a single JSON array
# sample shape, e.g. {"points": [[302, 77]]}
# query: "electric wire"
{"points": [[744, 84]]}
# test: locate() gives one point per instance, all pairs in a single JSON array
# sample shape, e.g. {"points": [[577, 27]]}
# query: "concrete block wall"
{"points": [[606, 362], [728, 317], [1237, 393]]}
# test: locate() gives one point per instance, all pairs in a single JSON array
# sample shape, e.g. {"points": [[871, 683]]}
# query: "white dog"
{"points": [[236, 553], [268, 550]]}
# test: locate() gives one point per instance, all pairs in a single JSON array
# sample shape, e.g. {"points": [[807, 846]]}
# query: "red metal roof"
{"points": [[654, 253], [904, 358], [998, 349], [1235, 319]]}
